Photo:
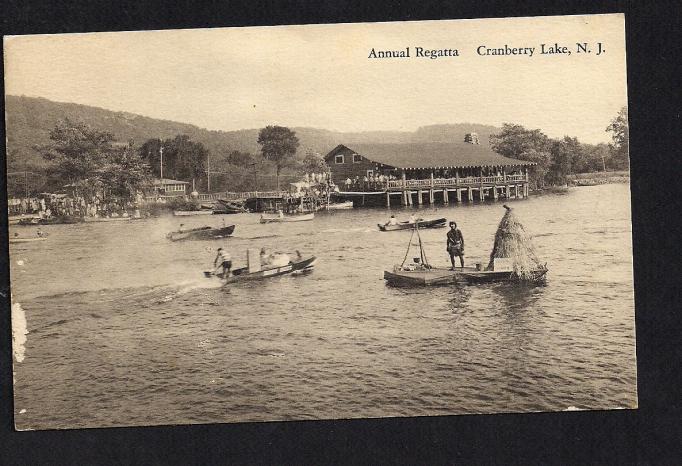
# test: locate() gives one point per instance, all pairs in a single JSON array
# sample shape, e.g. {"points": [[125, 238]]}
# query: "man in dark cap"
{"points": [[455, 245]]}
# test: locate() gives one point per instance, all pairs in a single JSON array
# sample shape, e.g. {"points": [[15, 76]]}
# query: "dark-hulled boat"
{"points": [[202, 233], [62, 219], [436, 223], [228, 207], [242, 274]]}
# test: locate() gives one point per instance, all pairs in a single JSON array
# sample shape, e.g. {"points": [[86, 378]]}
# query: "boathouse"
{"points": [[169, 188], [416, 173]]}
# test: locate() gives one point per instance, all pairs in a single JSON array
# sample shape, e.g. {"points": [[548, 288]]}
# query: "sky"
{"points": [[320, 75]]}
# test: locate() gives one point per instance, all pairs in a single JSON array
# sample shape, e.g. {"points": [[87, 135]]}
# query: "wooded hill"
{"points": [[30, 120]]}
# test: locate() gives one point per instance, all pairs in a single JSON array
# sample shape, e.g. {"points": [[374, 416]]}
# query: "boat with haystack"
{"points": [[513, 259]]}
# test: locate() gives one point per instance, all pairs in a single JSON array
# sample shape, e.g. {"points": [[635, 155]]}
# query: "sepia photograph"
{"points": [[315, 222]]}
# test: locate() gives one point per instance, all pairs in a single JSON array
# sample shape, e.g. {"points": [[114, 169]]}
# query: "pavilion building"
{"points": [[417, 173]]}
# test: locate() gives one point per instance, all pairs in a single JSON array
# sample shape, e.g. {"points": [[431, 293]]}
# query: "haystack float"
{"points": [[513, 259]]}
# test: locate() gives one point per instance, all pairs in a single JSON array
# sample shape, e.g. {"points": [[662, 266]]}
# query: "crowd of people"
{"points": [[50, 206], [367, 182], [61, 205]]}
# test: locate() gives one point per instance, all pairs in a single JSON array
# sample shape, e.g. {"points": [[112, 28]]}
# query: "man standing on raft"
{"points": [[455, 245]]}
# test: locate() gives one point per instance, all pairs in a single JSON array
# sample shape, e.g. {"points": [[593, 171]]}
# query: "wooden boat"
{"points": [[242, 274], [340, 205], [286, 218], [202, 233], [17, 219], [437, 223], [421, 273], [189, 213], [228, 207], [106, 219], [65, 219], [433, 276], [26, 240]]}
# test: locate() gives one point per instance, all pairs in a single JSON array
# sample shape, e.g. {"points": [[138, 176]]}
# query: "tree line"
{"points": [[556, 159], [91, 161]]}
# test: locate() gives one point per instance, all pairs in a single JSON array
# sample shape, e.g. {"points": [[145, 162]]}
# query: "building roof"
{"points": [[432, 155], [165, 181]]}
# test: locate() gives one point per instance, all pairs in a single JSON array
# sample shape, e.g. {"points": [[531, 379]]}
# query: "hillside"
{"points": [[29, 121]]}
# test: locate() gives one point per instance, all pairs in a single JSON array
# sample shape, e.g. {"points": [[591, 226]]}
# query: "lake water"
{"points": [[125, 330]]}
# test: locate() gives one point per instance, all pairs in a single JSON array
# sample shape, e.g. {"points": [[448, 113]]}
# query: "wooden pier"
{"points": [[440, 190]]}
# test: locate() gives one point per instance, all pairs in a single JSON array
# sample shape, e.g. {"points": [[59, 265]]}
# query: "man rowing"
{"points": [[455, 245]]}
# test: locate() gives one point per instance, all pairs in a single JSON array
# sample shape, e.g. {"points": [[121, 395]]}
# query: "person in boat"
{"points": [[392, 220], [265, 258], [40, 233], [412, 219], [455, 245], [280, 214], [223, 260]]}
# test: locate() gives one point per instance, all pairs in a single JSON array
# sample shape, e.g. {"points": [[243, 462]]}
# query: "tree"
{"points": [[124, 173], [278, 145], [621, 135], [517, 142], [564, 154], [314, 163], [594, 158], [77, 152], [183, 159], [241, 159]]}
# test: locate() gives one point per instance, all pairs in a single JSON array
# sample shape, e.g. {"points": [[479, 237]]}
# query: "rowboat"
{"points": [[437, 223], [188, 213], [17, 219], [340, 205], [26, 240], [242, 274], [65, 219], [228, 207], [106, 219], [201, 233], [433, 276], [286, 218]]}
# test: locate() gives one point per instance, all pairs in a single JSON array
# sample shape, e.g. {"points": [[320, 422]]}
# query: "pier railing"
{"points": [[454, 182], [230, 196]]}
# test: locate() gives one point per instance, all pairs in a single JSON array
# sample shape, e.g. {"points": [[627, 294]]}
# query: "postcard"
{"points": [[320, 222]]}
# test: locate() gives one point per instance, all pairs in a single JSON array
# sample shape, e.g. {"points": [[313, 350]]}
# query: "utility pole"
{"points": [[161, 152], [208, 174]]}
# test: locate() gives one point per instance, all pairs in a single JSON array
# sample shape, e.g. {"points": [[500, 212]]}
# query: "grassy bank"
{"points": [[595, 178]]}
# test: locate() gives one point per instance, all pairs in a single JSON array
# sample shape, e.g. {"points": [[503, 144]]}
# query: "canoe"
{"points": [[437, 223], [50, 221], [106, 219], [286, 218], [201, 233], [26, 240], [438, 276], [293, 267], [17, 219], [188, 213], [340, 205]]}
